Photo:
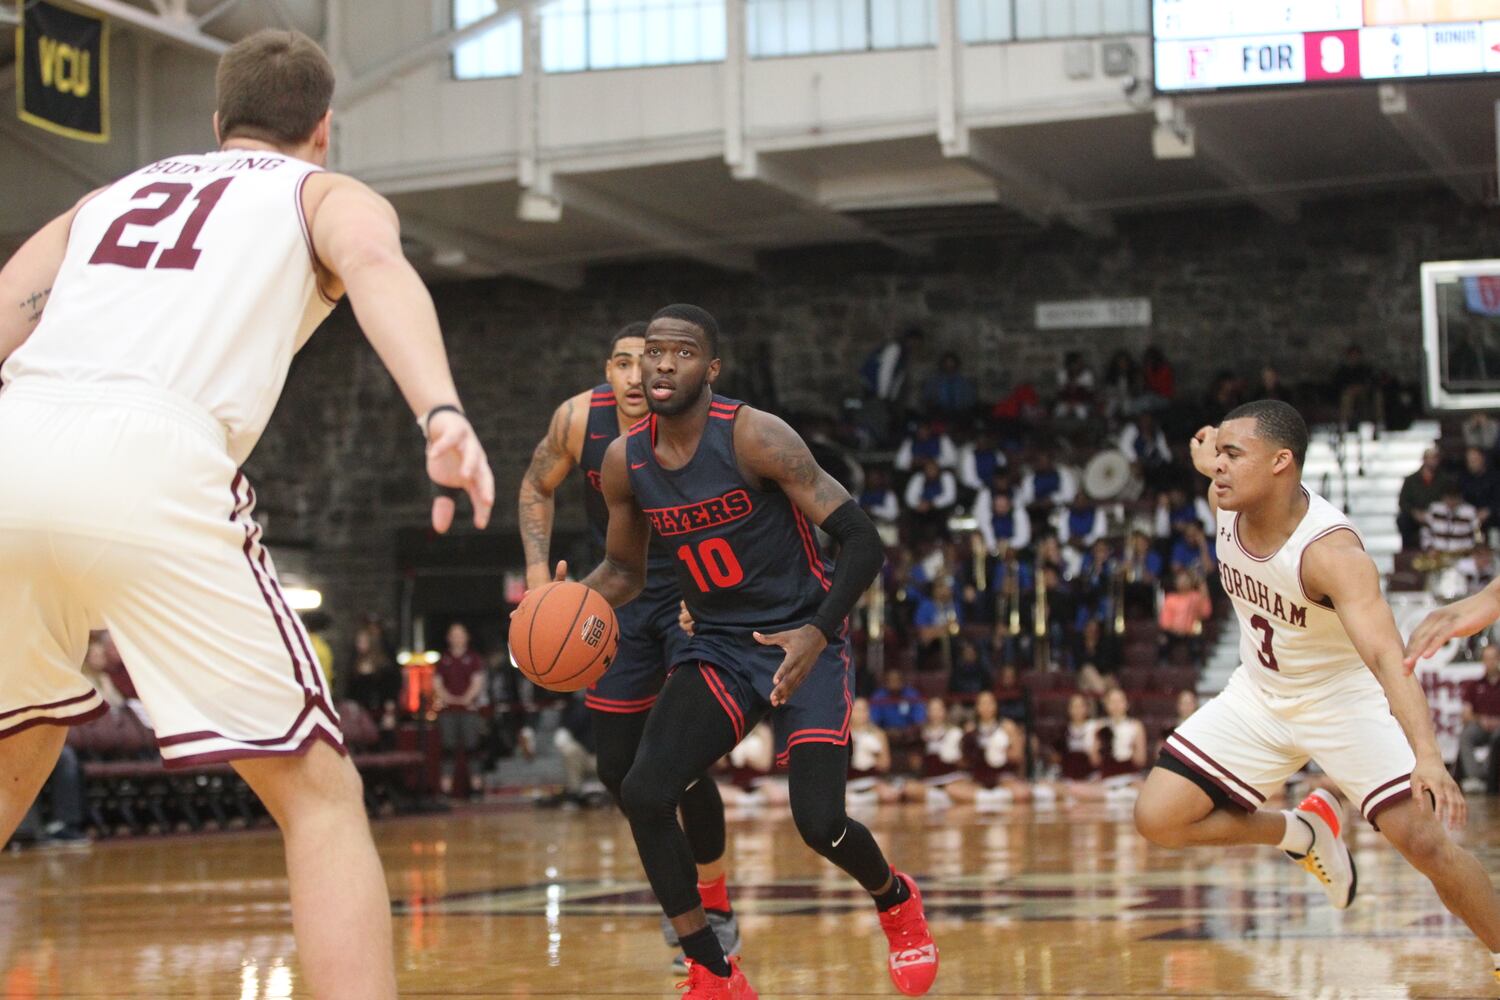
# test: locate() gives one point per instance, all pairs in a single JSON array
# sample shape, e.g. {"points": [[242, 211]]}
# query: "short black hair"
{"points": [[1278, 423], [636, 329], [697, 317]]}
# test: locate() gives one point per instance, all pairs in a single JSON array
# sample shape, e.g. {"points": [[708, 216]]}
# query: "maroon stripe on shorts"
{"points": [[50, 705], [1222, 769], [250, 531], [1389, 784], [55, 720], [225, 756], [1200, 770]]}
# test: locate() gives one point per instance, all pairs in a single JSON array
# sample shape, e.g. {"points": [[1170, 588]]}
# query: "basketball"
{"points": [[564, 636]]}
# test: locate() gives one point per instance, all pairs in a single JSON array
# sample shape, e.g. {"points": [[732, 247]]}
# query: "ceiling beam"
{"points": [[1177, 136], [182, 33], [1020, 189], [455, 249], [397, 65], [756, 167], [1416, 130], [661, 233]]}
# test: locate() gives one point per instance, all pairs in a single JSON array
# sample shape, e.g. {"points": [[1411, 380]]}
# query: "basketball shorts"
{"points": [[120, 508], [650, 642], [740, 672], [1245, 743]]}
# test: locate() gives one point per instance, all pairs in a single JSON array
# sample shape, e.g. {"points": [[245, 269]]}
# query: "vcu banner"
{"points": [[62, 70]]}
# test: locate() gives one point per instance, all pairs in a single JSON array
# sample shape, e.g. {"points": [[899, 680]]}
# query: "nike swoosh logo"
{"points": [[597, 437], [841, 837], [642, 465]]}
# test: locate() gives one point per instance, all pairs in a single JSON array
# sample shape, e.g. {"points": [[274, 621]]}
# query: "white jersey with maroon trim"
{"points": [[192, 275], [1289, 643]]}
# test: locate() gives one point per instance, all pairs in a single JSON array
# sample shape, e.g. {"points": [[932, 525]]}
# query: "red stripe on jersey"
{"points": [[716, 686], [809, 547], [638, 426]]}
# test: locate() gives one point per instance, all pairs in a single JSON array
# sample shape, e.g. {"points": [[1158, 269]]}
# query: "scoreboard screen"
{"points": [[1218, 44]]}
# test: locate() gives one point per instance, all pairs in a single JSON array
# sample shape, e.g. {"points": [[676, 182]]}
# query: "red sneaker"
{"points": [[702, 984], [914, 958]]}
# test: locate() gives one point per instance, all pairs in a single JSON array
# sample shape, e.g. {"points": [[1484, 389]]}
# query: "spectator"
{"points": [[1120, 389], [1477, 568], [457, 684], [1269, 385], [1481, 727], [113, 679], [1143, 442], [63, 792], [1450, 524], [1187, 704], [884, 374], [879, 501], [374, 683], [926, 441], [942, 755], [897, 708], [938, 621], [1225, 392], [574, 740], [1010, 697], [931, 495], [1481, 430], [1018, 409], [1176, 508], [1419, 491], [1183, 613], [1480, 485], [1075, 388], [995, 756], [1194, 551], [1358, 389], [1158, 377], [979, 460], [1142, 564], [869, 758], [1081, 524], [971, 672], [948, 393], [1047, 484], [1003, 526]]}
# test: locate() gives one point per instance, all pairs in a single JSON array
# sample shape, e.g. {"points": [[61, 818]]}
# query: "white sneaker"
{"points": [[1328, 860]]}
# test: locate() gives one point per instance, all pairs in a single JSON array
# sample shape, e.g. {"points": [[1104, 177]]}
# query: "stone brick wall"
{"points": [[340, 466]]}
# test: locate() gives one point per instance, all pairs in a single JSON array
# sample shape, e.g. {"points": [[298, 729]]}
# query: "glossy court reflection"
{"points": [[517, 903]]}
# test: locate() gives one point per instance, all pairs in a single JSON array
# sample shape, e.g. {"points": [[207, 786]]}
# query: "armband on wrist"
{"points": [[425, 420]]}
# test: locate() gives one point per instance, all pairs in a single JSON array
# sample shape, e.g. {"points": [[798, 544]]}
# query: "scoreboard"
{"points": [[1216, 44]]}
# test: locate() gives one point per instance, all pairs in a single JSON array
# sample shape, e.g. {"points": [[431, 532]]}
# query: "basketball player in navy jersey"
{"points": [[734, 492], [581, 430]]}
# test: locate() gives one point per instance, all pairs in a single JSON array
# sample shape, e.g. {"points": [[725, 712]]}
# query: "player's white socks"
{"points": [[1298, 838], [1496, 956]]}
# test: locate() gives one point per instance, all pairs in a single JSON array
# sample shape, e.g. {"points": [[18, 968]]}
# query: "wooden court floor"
{"points": [[513, 902]]}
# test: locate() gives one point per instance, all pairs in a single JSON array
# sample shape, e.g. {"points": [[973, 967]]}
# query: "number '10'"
{"points": [[718, 559]]}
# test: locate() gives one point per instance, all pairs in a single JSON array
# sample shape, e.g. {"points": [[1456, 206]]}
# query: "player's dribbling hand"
{"points": [[1205, 450], [456, 459], [684, 618], [802, 647], [1430, 777], [1457, 620], [558, 576]]}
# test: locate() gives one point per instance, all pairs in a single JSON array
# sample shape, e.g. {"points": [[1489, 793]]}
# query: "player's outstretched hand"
{"points": [[802, 647], [1205, 450], [1432, 778], [1457, 620], [456, 459], [684, 618], [558, 576]]}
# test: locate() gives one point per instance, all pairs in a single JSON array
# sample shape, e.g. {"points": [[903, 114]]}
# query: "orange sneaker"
{"points": [[914, 958], [702, 984]]}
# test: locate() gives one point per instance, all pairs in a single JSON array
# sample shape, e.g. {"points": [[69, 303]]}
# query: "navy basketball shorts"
{"points": [[650, 642], [740, 673]]}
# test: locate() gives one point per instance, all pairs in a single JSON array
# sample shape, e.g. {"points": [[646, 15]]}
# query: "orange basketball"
{"points": [[564, 636]]}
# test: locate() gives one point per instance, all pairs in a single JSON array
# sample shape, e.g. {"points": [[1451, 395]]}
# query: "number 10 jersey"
{"points": [[1290, 645], [192, 275]]}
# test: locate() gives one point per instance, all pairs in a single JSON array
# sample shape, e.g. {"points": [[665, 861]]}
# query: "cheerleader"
{"points": [[869, 759], [1118, 752], [994, 752], [1074, 752], [942, 758]]}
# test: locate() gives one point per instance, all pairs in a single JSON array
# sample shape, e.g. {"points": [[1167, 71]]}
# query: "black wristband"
{"points": [[426, 420]]}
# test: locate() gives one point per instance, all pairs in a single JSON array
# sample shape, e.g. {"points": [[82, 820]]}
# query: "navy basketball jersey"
{"points": [[603, 427], [745, 558]]}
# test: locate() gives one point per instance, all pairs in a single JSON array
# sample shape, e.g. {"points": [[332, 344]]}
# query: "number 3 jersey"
{"points": [[194, 275], [1290, 645], [746, 558]]}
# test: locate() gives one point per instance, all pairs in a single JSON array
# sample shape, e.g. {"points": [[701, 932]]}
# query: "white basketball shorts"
{"points": [[1247, 743], [120, 508]]}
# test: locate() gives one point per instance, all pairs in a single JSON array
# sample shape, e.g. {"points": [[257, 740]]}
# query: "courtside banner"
{"points": [[62, 70]]}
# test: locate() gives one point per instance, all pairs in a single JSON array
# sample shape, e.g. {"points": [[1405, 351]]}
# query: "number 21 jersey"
{"points": [[194, 275], [1289, 643]]}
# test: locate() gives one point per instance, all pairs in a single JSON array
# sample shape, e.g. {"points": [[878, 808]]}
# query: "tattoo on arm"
{"points": [[790, 454], [34, 303], [536, 505]]}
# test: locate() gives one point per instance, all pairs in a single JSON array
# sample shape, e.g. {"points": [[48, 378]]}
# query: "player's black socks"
{"points": [[702, 946], [898, 893]]}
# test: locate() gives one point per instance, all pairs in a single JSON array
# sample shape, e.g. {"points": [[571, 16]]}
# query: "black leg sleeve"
{"points": [[818, 773], [686, 732], [703, 820]]}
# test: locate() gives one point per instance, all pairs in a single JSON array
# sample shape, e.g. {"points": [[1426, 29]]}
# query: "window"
{"points": [[1080, 18], [807, 27], [497, 52]]}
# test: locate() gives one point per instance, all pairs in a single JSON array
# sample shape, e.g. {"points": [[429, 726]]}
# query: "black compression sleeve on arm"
{"points": [[860, 557]]}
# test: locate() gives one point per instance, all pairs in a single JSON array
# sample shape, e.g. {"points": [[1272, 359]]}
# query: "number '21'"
{"points": [[181, 255]]}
